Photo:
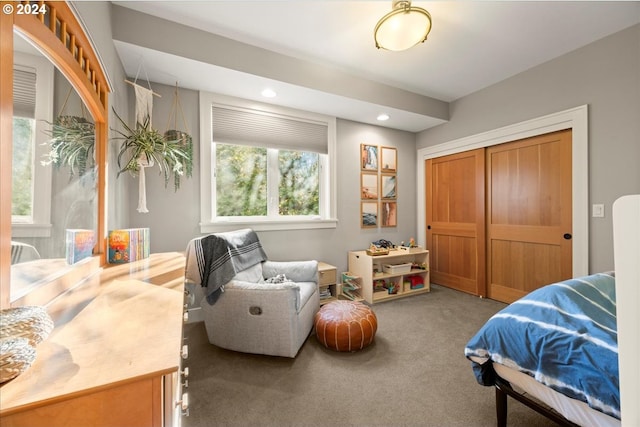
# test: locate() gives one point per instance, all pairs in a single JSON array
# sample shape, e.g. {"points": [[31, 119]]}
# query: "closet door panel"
{"points": [[455, 220], [529, 223]]}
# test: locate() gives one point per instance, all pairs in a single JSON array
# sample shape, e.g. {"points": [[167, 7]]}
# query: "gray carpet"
{"points": [[414, 374]]}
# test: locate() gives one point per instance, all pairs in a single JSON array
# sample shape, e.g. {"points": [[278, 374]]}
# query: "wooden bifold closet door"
{"points": [[499, 220]]}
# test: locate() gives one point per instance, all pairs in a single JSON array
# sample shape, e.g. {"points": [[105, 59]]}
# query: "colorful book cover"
{"points": [[79, 244], [128, 245], [119, 246]]}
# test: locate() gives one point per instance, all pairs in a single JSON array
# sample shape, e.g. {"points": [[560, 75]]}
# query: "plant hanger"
{"points": [[180, 134], [144, 112], [173, 114]]}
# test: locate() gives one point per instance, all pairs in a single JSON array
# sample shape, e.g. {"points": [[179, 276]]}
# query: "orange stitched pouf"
{"points": [[345, 325]]}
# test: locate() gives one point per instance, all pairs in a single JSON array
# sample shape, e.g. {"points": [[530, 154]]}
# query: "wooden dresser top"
{"points": [[117, 330]]}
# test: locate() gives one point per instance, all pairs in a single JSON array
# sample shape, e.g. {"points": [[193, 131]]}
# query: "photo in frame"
{"points": [[369, 186], [388, 159], [388, 186], [389, 214], [369, 157], [368, 214]]}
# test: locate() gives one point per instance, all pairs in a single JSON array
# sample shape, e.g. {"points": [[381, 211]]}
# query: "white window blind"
{"points": [[234, 125], [24, 92]]}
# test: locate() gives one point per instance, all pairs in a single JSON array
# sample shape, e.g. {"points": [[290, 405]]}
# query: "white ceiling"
{"points": [[472, 45]]}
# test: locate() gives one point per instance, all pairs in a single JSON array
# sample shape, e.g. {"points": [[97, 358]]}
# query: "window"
{"points": [[270, 168], [31, 181], [22, 166], [266, 182]]}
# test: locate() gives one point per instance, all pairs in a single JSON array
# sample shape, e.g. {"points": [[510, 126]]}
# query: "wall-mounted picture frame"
{"points": [[388, 186], [369, 186], [368, 214], [369, 157], [388, 159], [389, 214]]}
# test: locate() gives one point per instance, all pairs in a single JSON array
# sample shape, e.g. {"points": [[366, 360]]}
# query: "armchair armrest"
{"points": [[297, 271]]}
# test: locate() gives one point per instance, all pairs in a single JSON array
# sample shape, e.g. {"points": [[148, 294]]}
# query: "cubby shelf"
{"points": [[403, 284]]}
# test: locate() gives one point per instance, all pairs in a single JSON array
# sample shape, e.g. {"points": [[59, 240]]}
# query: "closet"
{"points": [[499, 219]]}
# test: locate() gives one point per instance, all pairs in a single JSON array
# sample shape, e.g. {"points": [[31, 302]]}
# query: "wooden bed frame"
{"points": [[626, 212], [503, 389]]}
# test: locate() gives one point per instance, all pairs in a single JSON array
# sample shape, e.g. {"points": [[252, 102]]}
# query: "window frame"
{"points": [[40, 224], [209, 223]]}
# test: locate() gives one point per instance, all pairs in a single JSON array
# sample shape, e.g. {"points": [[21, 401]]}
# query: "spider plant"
{"points": [[72, 144], [186, 142], [146, 144]]}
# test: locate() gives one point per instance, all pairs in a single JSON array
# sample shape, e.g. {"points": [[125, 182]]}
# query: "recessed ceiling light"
{"points": [[382, 117], [269, 93]]}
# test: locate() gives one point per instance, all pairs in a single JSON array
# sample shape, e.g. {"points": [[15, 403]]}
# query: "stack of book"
{"points": [[128, 245], [351, 287], [79, 244], [325, 293]]}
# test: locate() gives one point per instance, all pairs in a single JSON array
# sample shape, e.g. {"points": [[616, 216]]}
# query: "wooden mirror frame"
{"points": [[63, 41]]}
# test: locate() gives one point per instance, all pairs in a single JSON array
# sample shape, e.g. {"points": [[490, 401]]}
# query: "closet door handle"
{"points": [[567, 236], [428, 227]]}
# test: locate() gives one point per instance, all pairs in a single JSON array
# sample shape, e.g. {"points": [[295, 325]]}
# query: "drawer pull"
{"points": [[185, 372], [185, 351]]}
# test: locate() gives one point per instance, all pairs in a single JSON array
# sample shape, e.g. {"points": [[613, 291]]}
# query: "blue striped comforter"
{"points": [[564, 335]]}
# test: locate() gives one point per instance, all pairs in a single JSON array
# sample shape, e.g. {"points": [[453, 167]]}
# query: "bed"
{"points": [[557, 349]]}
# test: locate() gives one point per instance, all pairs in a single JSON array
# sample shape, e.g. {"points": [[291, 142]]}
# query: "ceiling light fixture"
{"points": [[383, 116], [405, 26]]}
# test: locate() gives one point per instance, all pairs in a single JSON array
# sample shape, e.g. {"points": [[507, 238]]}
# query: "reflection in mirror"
{"points": [[54, 185]]}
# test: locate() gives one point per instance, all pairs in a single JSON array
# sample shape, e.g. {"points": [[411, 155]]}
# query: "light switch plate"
{"points": [[597, 211]]}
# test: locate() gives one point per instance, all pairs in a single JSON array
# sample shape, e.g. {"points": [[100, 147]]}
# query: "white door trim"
{"points": [[575, 119]]}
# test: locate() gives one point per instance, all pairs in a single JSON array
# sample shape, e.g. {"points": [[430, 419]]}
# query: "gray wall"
{"points": [[606, 76]]}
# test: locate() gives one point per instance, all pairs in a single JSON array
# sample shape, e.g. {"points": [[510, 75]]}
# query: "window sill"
{"points": [[267, 225], [30, 230]]}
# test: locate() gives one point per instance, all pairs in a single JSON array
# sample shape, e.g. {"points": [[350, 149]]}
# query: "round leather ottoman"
{"points": [[345, 325]]}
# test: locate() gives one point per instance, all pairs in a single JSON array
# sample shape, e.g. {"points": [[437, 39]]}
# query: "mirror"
{"points": [[54, 31], [54, 183]]}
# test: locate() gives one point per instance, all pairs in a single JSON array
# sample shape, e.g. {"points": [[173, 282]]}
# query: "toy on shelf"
{"points": [[409, 247], [375, 250]]}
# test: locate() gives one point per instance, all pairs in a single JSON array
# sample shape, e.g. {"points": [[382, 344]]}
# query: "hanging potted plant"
{"points": [[185, 142], [72, 144], [182, 137], [145, 144]]}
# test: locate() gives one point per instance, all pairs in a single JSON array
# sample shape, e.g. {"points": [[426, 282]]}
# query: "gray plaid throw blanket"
{"points": [[219, 257]]}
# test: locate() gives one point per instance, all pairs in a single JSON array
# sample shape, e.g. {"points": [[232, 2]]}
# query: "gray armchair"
{"points": [[257, 312]]}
